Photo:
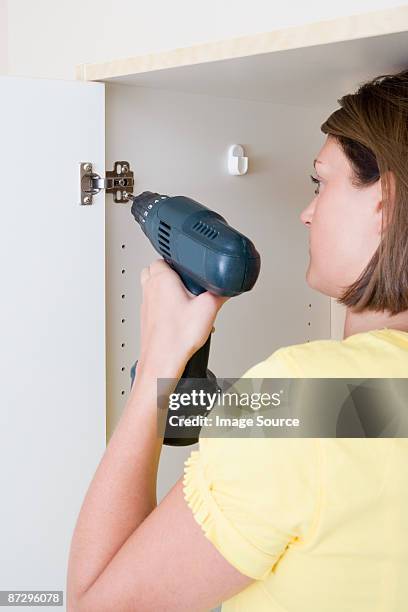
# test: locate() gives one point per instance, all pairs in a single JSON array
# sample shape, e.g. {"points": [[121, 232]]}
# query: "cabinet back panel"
{"points": [[177, 145]]}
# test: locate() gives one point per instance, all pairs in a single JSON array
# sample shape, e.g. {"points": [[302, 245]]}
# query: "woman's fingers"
{"points": [[158, 265]]}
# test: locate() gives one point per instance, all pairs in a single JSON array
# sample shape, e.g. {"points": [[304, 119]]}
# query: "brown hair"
{"points": [[372, 128]]}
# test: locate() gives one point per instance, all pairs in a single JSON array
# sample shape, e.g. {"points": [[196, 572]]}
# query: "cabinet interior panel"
{"points": [[177, 144]]}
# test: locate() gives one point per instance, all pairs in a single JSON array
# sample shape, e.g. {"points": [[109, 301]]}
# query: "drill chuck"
{"points": [[143, 204]]}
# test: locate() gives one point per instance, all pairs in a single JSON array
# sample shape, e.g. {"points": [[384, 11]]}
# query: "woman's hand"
{"points": [[174, 323]]}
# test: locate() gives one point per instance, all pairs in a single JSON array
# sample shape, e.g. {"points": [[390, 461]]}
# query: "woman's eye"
{"points": [[315, 180]]}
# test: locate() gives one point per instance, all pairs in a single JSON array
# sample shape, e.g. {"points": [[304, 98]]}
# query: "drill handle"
{"points": [[188, 282], [196, 366]]}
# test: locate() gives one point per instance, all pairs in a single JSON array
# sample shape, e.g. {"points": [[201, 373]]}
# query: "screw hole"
{"points": [[122, 393], [123, 320], [123, 271], [309, 323], [310, 305], [123, 368], [123, 296], [123, 246], [123, 344]]}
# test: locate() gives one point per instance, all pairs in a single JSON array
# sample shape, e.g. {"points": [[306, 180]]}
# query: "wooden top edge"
{"points": [[363, 25]]}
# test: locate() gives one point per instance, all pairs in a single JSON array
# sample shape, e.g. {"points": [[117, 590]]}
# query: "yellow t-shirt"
{"points": [[321, 524]]}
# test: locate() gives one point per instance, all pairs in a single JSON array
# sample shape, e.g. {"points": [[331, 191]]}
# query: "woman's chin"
{"points": [[309, 275], [313, 281]]}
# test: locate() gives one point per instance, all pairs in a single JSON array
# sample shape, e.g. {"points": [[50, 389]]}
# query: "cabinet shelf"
{"points": [[275, 66]]}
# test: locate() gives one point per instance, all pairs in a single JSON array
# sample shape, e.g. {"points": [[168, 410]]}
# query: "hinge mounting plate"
{"points": [[117, 181]]}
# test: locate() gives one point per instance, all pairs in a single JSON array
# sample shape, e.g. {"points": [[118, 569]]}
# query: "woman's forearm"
{"points": [[123, 490]]}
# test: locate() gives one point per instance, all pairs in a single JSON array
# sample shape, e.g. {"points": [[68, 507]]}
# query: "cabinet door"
{"points": [[52, 323]]}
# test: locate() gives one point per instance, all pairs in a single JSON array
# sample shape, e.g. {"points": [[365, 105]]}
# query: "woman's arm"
{"points": [[123, 490], [127, 553]]}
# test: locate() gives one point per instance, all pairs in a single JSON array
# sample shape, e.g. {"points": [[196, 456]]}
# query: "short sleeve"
{"points": [[254, 496]]}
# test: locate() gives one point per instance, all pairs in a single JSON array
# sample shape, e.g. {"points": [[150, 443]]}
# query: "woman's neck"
{"points": [[357, 322]]}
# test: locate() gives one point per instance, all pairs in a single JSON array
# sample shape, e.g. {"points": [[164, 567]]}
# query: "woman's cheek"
{"points": [[327, 245], [323, 232]]}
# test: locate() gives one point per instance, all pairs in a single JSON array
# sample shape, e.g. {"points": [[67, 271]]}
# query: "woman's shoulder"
{"points": [[376, 353]]}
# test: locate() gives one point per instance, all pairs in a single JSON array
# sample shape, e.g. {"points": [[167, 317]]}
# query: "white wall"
{"points": [[48, 38], [3, 38]]}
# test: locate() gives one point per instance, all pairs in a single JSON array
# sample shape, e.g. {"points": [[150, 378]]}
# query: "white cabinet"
{"points": [[173, 116]]}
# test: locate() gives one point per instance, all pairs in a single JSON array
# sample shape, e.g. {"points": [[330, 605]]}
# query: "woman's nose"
{"points": [[307, 214]]}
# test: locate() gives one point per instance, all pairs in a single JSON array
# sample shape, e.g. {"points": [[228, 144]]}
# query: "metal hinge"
{"points": [[117, 181]]}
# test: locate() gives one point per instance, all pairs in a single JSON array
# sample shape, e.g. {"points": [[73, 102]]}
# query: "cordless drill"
{"points": [[209, 255]]}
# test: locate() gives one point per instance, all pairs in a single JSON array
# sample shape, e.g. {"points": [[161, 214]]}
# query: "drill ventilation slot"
{"points": [[164, 238], [207, 230]]}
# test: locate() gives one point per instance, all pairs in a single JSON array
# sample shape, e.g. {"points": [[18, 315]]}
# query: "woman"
{"points": [[312, 524]]}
